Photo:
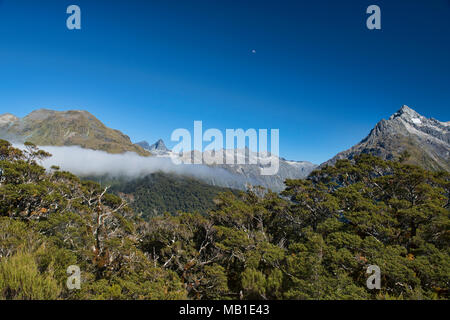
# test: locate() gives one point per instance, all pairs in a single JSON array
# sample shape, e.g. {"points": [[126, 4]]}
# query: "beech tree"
{"points": [[315, 240]]}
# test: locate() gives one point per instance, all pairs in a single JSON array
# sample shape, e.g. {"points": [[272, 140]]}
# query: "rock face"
{"points": [[287, 170], [158, 148], [66, 128], [6, 119], [426, 140], [245, 173], [53, 128]]}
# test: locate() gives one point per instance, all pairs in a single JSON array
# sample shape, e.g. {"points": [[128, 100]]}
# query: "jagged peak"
{"points": [[7, 118], [392, 126], [406, 112], [159, 145], [405, 108], [406, 129]]}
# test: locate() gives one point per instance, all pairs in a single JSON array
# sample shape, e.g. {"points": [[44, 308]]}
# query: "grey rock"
{"points": [[426, 140]]}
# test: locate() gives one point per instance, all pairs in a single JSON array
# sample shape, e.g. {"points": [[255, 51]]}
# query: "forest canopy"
{"points": [[315, 240]]}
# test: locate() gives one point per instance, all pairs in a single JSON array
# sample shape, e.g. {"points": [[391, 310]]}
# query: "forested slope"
{"points": [[160, 192], [313, 242]]}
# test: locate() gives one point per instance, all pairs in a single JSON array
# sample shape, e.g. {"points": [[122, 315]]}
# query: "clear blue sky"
{"points": [[149, 67]]}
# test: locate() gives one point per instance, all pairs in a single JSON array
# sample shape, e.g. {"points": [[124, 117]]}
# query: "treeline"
{"points": [[314, 241], [160, 193]]}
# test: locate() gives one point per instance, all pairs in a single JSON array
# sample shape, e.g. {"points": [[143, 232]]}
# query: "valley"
{"points": [[157, 186]]}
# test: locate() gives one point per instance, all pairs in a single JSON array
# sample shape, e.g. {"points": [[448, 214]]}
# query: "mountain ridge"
{"points": [[251, 173], [426, 140], [157, 148], [66, 128]]}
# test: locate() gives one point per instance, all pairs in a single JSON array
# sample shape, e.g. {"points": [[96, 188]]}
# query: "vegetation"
{"points": [[159, 193], [50, 221], [69, 128], [314, 241]]}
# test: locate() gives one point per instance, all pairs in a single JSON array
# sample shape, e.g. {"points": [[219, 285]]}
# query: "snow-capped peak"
{"points": [[7, 118], [408, 114]]}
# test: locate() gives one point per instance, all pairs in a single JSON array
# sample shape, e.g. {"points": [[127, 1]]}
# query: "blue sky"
{"points": [[149, 67]]}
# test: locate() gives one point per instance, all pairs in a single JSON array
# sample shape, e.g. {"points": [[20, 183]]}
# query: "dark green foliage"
{"points": [[314, 241], [49, 221], [317, 240], [158, 193]]}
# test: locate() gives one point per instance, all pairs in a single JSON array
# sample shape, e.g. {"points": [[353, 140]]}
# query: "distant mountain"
{"points": [[6, 119], [245, 173], [66, 128], [426, 140], [252, 172], [158, 148], [143, 144], [80, 128]]}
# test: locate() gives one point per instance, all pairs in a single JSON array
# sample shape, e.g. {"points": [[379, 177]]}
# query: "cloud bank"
{"points": [[87, 162]]}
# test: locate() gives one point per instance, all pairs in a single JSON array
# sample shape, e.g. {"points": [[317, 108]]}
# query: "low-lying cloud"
{"points": [[87, 162]]}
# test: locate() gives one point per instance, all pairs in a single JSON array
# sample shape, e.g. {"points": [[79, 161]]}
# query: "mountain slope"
{"points": [[66, 128], [80, 128], [160, 192], [245, 173], [287, 170], [158, 148], [426, 140]]}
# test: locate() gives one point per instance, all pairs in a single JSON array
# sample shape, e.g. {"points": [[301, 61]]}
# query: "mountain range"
{"points": [[45, 127], [426, 141], [158, 148], [247, 173]]}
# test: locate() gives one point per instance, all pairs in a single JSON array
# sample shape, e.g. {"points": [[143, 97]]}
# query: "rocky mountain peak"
{"points": [[158, 148], [159, 145], [46, 127], [427, 140], [407, 114], [7, 118]]}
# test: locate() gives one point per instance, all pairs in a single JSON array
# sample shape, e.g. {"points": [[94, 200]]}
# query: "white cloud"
{"points": [[87, 162]]}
